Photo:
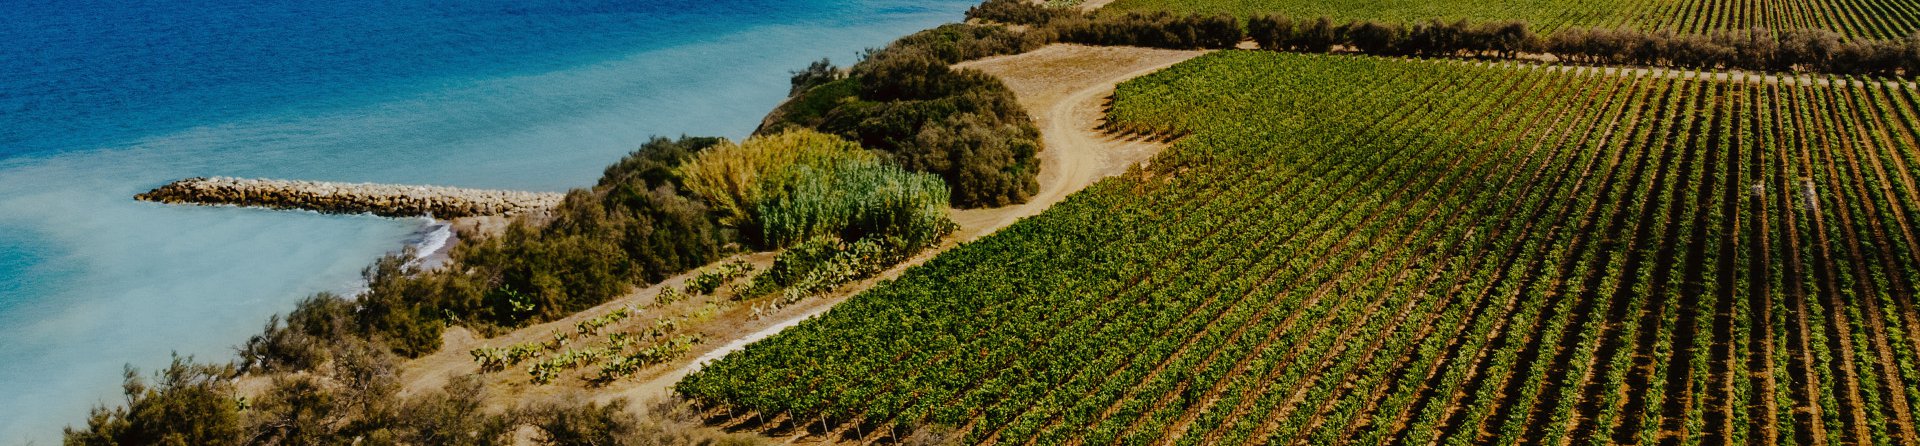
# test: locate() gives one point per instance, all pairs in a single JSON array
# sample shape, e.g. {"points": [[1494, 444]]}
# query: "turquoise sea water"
{"points": [[102, 100]]}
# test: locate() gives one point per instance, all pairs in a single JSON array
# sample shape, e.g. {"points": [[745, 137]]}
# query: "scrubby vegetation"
{"points": [[638, 226], [635, 226], [616, 340], [955, 43], [736, 178], [905, 101], [649, 217], [711, 279], [670, 206], [815, 74], [797, 185], [839, 212], [196, 404]]}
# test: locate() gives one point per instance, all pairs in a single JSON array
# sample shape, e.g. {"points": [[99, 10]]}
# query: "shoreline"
{"points": [[585, 138], [456, 230]]}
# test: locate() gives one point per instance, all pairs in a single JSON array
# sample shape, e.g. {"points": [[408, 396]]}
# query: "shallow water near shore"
{"points": [[116, 98]]}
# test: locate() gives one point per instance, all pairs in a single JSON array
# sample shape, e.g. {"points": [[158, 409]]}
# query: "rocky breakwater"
{"points": [[390, 200]]}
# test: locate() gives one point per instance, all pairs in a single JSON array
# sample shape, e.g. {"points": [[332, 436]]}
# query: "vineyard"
{"points": [[1883, 19], [1388, 251]]}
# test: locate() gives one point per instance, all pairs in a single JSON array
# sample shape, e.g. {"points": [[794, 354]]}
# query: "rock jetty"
{"points": [[390, 200]]}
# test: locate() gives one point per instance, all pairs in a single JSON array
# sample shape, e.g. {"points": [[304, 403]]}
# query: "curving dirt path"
{"points": [[1094, 5], [1066, 88]]}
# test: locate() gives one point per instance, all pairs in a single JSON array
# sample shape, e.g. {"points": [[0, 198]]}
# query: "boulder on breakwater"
{"points": [[389, 200]]}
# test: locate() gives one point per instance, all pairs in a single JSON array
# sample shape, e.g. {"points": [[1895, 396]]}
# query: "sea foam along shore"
{"points": [[388, 200], [432, 244]]}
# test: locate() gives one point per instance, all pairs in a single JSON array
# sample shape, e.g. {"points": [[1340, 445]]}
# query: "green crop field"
{"points": [[1370, 250], [1864, 18]]}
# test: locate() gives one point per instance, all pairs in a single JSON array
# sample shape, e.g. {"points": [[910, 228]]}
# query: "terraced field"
{"points": [[1884, 19], [1384, 251]]}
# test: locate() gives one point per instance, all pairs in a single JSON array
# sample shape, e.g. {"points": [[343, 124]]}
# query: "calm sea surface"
{"points": [[100, 100]]}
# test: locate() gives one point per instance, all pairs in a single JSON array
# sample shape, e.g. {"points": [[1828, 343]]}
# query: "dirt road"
{"points": [[1066, 87]]}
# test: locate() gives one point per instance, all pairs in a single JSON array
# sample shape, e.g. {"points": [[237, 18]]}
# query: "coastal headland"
{"points": [[387, 200]]}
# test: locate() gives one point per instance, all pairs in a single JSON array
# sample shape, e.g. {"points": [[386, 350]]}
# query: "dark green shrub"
{"points": [[188, 405], [652, 165], [955, 43], [569, 423], [453, 416], [316, 324], [1024, 12], [794, 263], [810, 108], [1376, 38], [1271, 32], [402, 307], [907, 102], [855, 200], [819, 72], [296, 410], [1316, 36], [1159, 30]]}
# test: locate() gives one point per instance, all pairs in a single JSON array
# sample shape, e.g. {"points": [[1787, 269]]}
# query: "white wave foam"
{"points": [[433, 239]]}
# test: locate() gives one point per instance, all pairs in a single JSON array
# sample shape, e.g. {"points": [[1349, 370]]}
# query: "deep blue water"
{"points": [[100, 100], [92, 73]]}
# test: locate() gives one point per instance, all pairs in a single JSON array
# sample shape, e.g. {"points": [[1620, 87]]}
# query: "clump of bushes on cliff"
{"points": [[357, 401], [187, 404], [815, 74], [635, 226], [836, 209], [403, 310], [906, 102], [837, 212], [955, 43], [784, 188]]}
